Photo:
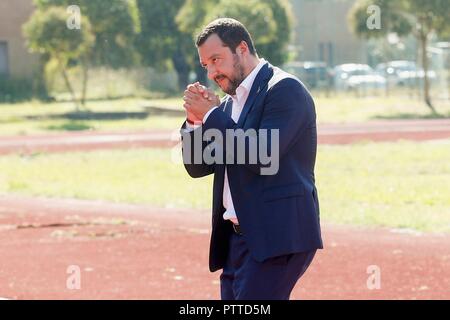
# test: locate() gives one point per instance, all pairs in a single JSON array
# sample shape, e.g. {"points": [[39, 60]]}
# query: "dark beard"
{"points": [[237, 79]]}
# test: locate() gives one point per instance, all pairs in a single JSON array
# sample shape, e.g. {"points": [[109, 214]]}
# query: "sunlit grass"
{"points": [[33, 117], [135, 176], [346, 108], [404, 185]]}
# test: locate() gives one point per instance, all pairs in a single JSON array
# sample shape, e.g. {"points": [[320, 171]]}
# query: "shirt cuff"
{"points": [[190, 127]]}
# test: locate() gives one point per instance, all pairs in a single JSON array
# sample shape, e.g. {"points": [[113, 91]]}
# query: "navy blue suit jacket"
{"points": [[278, 214]]}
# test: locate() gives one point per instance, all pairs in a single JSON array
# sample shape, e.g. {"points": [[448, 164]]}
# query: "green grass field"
{"points": [[401, 185], [35, 117]]}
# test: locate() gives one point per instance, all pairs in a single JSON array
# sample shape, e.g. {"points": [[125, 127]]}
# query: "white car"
{"points": [[357, 76], [402, 72]]}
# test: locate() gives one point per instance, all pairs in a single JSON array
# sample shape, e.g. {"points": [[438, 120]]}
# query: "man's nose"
{"points": [[212, 72]]}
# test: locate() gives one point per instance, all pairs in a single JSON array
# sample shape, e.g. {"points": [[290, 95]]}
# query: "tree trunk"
{"points": [[385, 61], [426, 83], [200, 73], [182, 68], [70, 88], [85, 82], [39, 82]]}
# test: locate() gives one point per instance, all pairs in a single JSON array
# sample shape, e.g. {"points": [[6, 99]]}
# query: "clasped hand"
{"points": [[198, 100]]}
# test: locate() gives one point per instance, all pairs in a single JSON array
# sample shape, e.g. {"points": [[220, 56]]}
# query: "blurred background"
{"points": [[148, 47], [108, 77]]}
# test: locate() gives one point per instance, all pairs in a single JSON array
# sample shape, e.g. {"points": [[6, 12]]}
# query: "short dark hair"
{"points": [[230, 31]]}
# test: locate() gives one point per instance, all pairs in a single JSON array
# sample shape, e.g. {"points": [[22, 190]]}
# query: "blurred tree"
{"points": [[47, 33], [276, 50], [160, 41], [419, 17], [114, 24], [256, 15], [190, 19], [268, 21]]}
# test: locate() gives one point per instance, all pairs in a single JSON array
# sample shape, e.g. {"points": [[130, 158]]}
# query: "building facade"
{"points": [[321, 32], [15, 60]]}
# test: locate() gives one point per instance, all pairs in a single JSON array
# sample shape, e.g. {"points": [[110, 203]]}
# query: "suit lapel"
{"points": [[228, 105], [260, 82]]}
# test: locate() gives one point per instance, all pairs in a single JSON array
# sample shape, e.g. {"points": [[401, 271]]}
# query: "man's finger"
{"points": [[194, 93], [188, 100], [192, 88], [192, 96], [206, 92], [211, 95], [202, 89]]}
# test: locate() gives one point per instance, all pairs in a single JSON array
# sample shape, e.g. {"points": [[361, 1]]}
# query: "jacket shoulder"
{"points": [[283, 80]]}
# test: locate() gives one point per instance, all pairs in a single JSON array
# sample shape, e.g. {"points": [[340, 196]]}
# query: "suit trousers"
{"points": [[244, 278]]}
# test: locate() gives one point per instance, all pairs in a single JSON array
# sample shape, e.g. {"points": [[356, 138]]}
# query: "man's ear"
{"points": [[242, 47]]}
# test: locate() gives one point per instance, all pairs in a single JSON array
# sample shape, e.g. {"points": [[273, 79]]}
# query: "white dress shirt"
{"points": [[239, 100]]}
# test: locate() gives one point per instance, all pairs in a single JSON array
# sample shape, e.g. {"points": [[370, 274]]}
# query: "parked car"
{"points": [[351, 76], [402, 72], [314, 74]]}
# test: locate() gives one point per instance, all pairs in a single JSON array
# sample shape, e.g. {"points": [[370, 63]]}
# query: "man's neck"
{"points": [[253, 62]]}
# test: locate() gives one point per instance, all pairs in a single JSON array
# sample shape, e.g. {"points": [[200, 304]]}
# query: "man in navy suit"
{"points": [[265, 215]]}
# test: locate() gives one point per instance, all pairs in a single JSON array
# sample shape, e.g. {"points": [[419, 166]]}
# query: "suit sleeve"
{"points": [[192, 151], [288, 110]]}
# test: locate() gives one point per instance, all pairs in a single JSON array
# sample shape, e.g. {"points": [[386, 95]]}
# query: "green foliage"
{"points": [[401, 16], [106, 36], [159, 38], [431, 15], [14, 90], [393, 19], [419, 17], [254, 14], [160, 43], [268, 21], [191, 16], [114, 24], [276, 50], [47, 33], [158, 33]]}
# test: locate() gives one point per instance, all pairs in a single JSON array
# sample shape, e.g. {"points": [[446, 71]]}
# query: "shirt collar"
{"points": [[247, 84]]}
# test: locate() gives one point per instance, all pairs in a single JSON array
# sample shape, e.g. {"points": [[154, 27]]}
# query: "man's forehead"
{"points": [[212, 41], [212, 46]]}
